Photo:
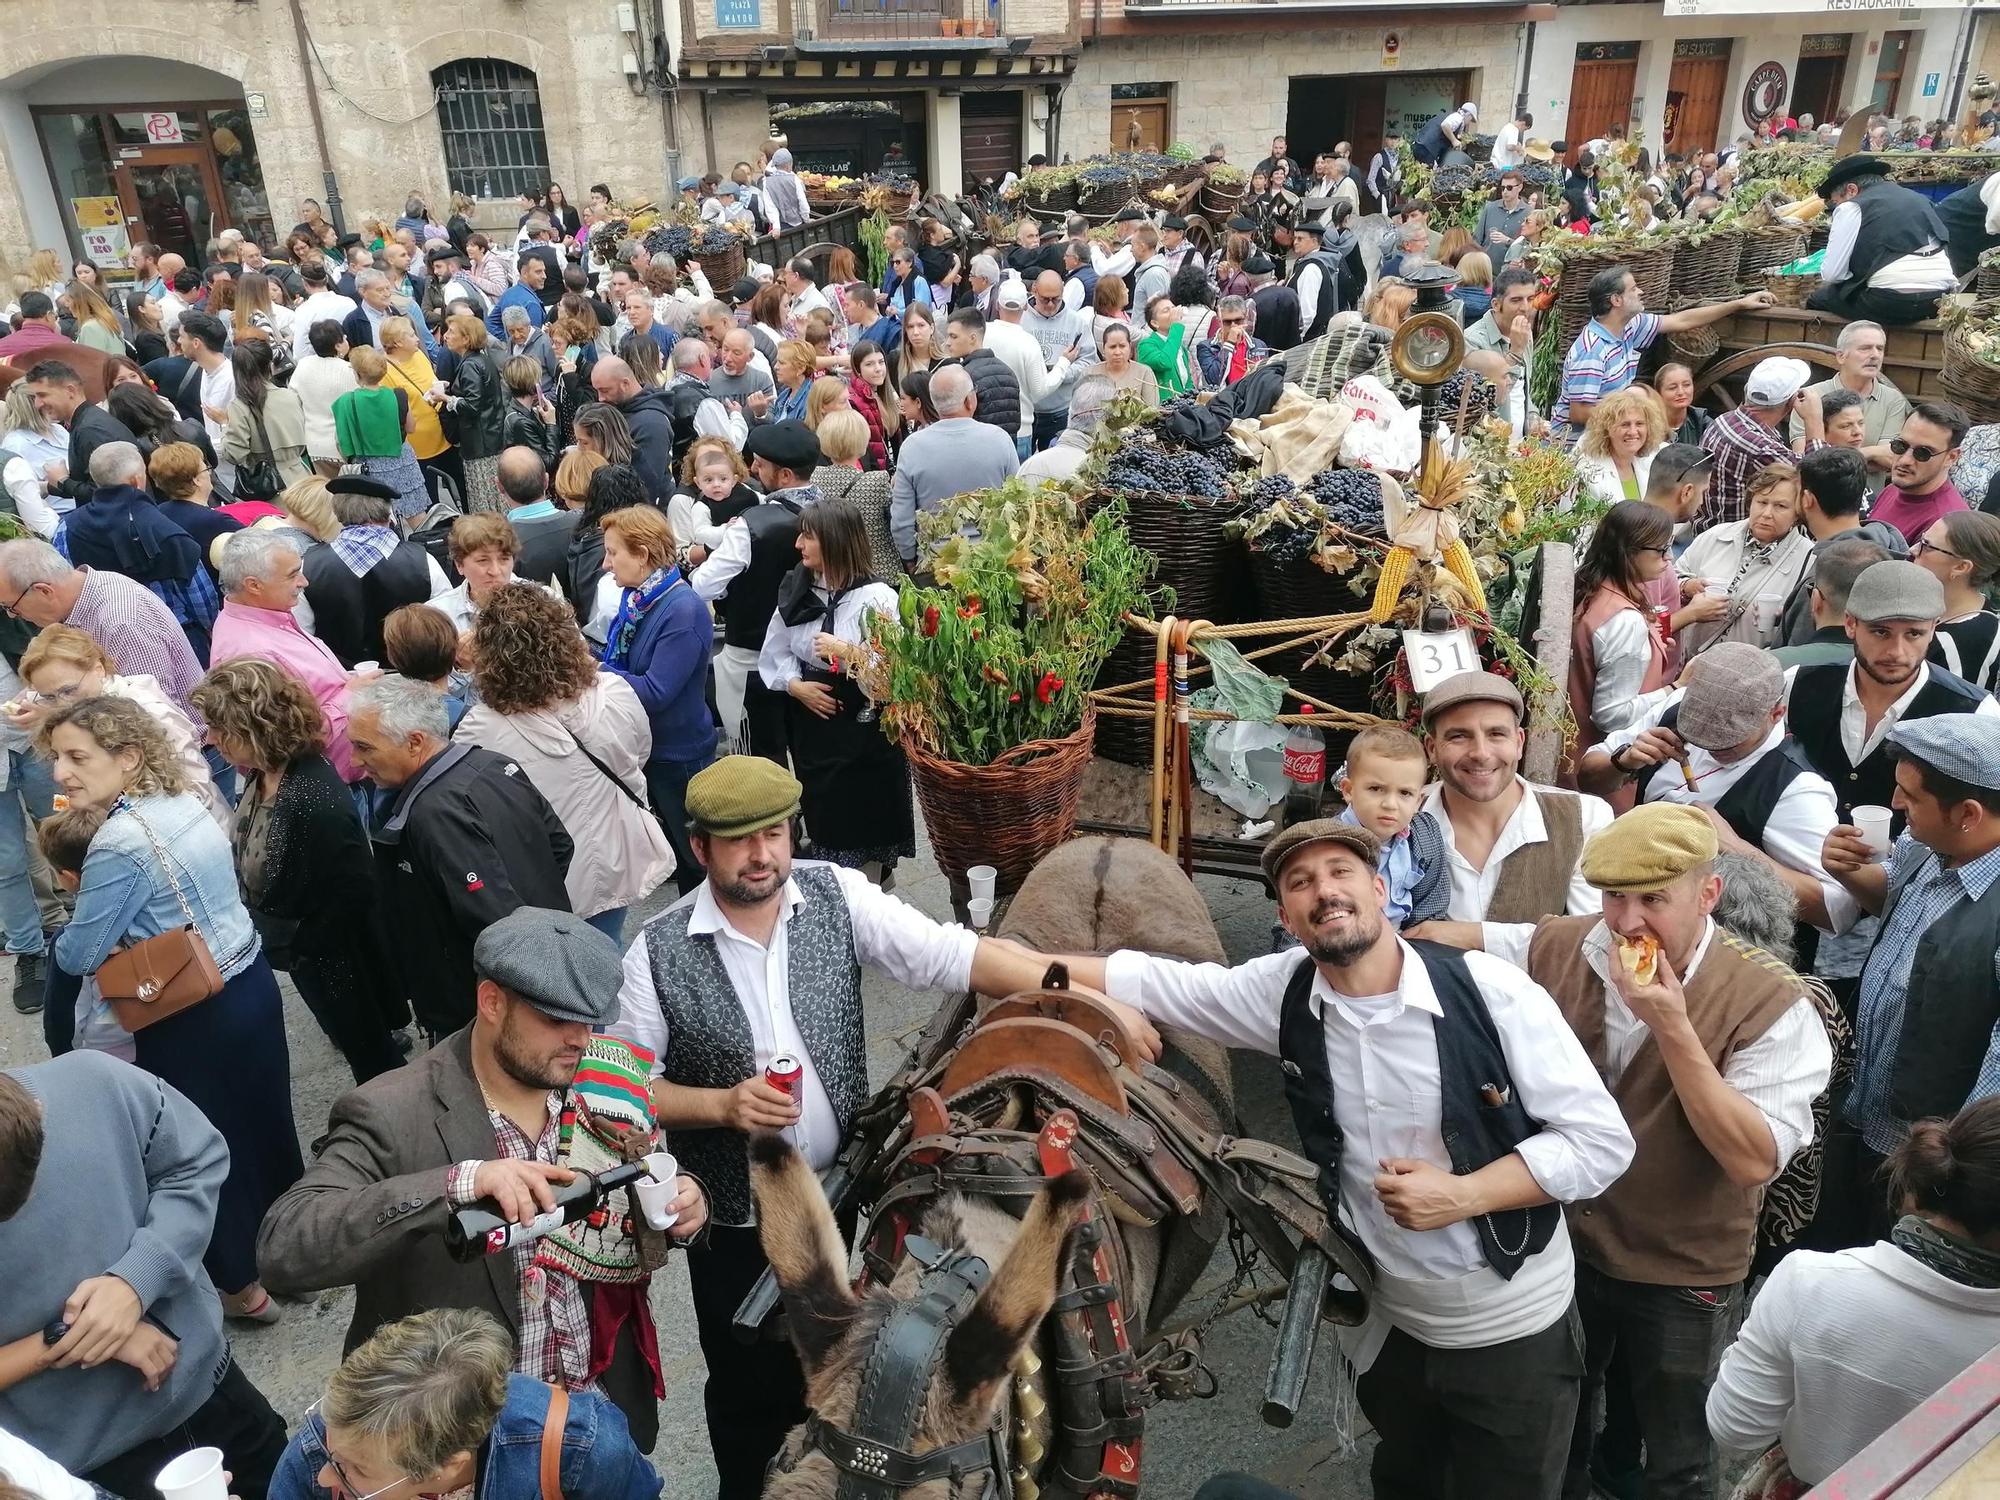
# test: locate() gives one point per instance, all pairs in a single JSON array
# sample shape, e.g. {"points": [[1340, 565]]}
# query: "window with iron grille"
{"points": [[490, 114]]}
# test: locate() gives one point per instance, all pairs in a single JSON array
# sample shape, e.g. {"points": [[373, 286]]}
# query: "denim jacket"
{"points": [[599, 1459], [125, 894]]}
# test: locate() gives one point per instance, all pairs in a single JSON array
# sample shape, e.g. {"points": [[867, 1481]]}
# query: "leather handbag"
{"points": [[164, 975]]}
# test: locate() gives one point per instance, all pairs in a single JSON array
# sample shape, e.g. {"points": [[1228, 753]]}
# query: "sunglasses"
{"points": [[1921, 452]]}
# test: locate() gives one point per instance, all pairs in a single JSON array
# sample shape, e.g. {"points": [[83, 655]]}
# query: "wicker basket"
{"points": [[1970, 380], [1195, 558], [723, 268], [1695, 347], [1766, 249], [1298, 589], [1652, 268], [1128, 741], [1219, 201], [1007, 814], [1988, 286], [1058, 201], [1103, 199], [1707, 269]]}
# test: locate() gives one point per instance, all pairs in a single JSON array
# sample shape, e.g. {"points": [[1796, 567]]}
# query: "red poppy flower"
{"points": [[931, 617], [1048, 687]]}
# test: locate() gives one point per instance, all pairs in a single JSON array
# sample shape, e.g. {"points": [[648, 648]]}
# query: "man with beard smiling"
{"points": [[1450, 1110], [764, 961], [480, 1115], [1512, 846]]}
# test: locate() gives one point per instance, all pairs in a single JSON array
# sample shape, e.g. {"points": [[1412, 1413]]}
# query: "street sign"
{"points": [[1931, 85], [739, 15]]}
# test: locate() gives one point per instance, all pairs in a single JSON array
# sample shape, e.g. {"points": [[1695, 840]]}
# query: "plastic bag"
{"points": [[97, 1029], [1240, 763], [1385, 434]]}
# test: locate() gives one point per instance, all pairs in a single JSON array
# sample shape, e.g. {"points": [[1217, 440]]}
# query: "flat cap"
{"points": [[1965, 747], [688, 184], [1173, 221], [1895, 590], [789, 445], [558, 963], [1243, 224], [1649, 847], [741, 794], [1129, 215], [1259, 264], [1286, 842], [1472, 687], [360, 484], [1731, 689]]}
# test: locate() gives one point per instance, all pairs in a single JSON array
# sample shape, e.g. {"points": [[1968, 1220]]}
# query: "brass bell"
{"points": [[1024, 1487]]}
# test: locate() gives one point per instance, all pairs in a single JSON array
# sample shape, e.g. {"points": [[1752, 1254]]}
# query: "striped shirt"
{"points": [[1928, 897], [139, 632], [1601, 362]]}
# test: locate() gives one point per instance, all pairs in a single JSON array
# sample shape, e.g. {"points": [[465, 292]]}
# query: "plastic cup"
{"points": [[1767, 615], [363, 668], [979, 881], [1873, 824], [658, 1190], [980, 910], [195, 1475]]}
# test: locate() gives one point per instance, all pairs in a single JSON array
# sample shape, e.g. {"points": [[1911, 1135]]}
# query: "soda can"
{"points": [[785, 1072]]}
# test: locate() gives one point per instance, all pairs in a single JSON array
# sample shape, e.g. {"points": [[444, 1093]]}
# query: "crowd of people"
{"points": [[399, 616]]}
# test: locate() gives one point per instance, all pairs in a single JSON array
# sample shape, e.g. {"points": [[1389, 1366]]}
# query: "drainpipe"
{"points": [[1523, 65], [668, 84], [330, 185], [1966, 22]]}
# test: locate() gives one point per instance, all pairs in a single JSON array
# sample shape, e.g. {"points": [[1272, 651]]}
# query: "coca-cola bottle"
{"points": [[480, 1228], [1305, 771]]}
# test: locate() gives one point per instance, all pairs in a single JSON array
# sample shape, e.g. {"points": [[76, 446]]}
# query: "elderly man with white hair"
{"points": [[954, 454], [1858, 368], [118, 529], [262, 578], [1062, 458]]}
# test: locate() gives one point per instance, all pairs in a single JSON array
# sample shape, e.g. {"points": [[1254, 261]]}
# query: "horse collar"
{"points": [[874, 1458]]}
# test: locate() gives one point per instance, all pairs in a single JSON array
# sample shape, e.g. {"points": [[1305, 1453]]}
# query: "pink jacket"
{"points": [[273, 635]]}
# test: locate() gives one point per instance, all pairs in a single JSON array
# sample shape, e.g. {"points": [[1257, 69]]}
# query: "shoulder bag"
{"points": [[159, 976], [258, 478], [609, 775], [554, 1424]]}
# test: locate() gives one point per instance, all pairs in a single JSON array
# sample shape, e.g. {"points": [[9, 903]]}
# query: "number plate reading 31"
{"points": [[1434, 657]]}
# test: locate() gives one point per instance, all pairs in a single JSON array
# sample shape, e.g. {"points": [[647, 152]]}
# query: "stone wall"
{"points": [[1231, 85]]}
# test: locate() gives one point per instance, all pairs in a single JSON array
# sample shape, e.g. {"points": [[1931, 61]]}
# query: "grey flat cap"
{"points": [[1965, 747], [558, 963], [1288, 841], [1472, 687], [1731, 689], [1895, 590]]}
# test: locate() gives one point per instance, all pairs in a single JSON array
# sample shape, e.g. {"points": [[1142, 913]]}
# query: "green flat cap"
{"points": [[1288, 841], [1648, 848], [741, 794]]}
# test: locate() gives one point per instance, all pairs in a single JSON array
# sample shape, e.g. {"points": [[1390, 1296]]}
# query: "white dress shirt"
{"points": [[1906, 273], [788, 649], [1622, 649], [1508, 150], [1472, 890], [889, 935], [1310, 287], [1781, 1072], [692, 521], [1387, 1098], [1117, 262], [1796, 831], [25, 486], [1855, 736]]}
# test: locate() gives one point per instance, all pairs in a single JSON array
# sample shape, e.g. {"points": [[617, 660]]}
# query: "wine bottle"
{"points": [[480, 1228]]}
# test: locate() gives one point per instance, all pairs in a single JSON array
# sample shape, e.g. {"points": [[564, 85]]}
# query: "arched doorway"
{"points": [[136, 149]]}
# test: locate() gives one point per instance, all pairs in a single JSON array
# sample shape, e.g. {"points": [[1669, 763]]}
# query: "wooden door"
{"points": [[1600, 96], [1816, 88], [173, 197], [1698, 83], [1139, 125], [989, 135]]}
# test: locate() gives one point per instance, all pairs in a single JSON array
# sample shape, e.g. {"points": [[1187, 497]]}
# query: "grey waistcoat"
{"points": [[708, 1035]]}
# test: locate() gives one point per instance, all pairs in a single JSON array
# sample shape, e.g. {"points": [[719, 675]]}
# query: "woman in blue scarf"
{"points": [[659, 642]]}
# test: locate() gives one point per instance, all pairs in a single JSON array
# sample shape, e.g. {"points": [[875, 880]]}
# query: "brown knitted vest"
{"points": [[1674, 1218], [1534, 879]]}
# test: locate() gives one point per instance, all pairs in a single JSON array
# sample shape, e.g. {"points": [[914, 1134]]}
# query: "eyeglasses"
{"points": [[1230, 322], [1921, 452], [1925, 545], [11, 608], [318, 1426], [1664, 552]]}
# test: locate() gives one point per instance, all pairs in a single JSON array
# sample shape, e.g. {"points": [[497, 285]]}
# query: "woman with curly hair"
{"points": [[303, 862], [581, 736], [1625, 430], [160, 865]]}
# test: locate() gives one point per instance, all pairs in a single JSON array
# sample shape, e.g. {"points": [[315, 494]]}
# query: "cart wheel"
{"points": [[1717, 379]]}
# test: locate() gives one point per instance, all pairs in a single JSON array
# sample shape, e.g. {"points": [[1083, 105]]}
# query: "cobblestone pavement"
{"points": [[1185, 1443]]}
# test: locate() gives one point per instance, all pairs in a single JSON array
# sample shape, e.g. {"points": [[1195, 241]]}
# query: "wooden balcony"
{"points": [[775, 33]]}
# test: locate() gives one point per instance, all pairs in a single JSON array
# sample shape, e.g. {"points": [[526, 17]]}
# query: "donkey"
{"points": [[1089, 896]]}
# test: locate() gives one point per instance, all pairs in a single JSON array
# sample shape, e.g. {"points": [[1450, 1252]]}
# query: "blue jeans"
{"points": [[666, 788], [611, 923], [1025, 446], [31, 784], [1049, 425]]}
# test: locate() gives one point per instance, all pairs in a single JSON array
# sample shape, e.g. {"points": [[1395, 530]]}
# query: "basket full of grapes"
{"points": [[1179, 502]]}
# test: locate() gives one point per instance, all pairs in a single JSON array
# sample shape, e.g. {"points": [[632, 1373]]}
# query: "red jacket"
{"points": [[861, 396]]}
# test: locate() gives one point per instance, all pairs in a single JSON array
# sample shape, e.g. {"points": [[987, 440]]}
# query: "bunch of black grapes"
{"points": [[1352, 498], [1148, 466]]}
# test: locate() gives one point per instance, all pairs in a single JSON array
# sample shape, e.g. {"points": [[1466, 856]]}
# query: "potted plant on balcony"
{"points": [[984, 675]]}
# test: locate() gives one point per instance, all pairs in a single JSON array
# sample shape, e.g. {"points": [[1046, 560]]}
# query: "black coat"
{"points": [[477, 416], [521, 428], [319, 897], [652, 424], [998, 392], [466, 841], [90, 428], [583, 565]]}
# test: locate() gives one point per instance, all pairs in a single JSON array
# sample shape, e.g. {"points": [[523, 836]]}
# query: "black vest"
{"points": [[1471, 1062], [729, 507], [1963, 215], [1277, 316], [348, 612], [1430, 145], [753, 593], [1949, 1009], [1813, 715], [684, 398], [1329, 297], [1895, 221], [1088, 277]]}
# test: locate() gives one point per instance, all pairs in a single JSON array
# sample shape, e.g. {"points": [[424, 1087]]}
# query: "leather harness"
{"points": [[874, 1459]]}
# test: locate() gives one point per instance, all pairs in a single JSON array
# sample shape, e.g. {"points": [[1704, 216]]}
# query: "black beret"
{"points": [[1130, 215], [1259, 264], [746, 288], [789, 445], [1243, 224], [1173, 221], [360, 484]]}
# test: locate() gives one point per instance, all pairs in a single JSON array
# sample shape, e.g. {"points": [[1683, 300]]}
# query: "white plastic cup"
{"points": [[1767, 615], [980, 910], [1715, 587], [658, 1189], [1873, 824], [979, 881], [362, 668], [195, 1475]]}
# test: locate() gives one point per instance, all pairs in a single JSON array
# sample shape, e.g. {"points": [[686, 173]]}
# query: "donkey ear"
{"points": [[803, 1245], [985, 1344]]}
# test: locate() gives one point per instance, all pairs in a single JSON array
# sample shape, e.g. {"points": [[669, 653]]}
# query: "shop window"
{"points": [[490, 114]]}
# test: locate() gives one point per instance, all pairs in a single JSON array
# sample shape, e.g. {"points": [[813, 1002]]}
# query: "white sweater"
{"points": [[1839, 1348]]}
